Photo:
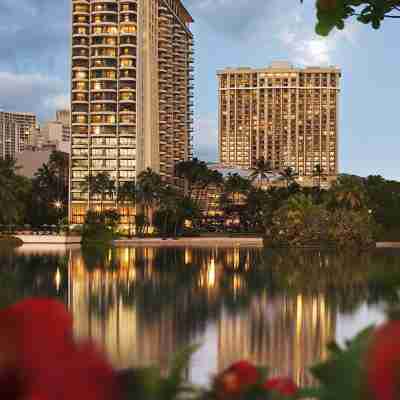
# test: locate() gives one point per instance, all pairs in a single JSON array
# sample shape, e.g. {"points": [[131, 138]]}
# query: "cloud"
{"points": [[34, 48], [32, 93], [206, 138], [305, 47], [234, 18]]}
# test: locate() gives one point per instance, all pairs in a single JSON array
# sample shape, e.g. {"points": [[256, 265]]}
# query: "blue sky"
{"points": [[34, 67]]}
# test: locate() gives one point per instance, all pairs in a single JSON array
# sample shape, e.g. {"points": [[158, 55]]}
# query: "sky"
{"points": [[35, 59]]}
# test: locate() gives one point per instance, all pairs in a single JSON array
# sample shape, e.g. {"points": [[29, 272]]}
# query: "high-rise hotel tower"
{"points": [[283, 114], [131, 100]]}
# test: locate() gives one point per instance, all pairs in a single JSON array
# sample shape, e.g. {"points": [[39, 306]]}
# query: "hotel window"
{"points": [[97, 163], [97, 152], [127, 163], [111, 163], [128, 29], [111, 152]]}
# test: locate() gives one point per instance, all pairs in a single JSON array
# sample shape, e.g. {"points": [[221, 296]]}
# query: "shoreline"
{"points": [[197, 241], [207, 241]]}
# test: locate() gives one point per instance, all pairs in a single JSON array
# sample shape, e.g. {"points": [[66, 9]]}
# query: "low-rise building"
{"points": [[29, 161]]}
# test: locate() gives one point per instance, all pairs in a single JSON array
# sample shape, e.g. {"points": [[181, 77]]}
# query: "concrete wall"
{"points": [[49, 239]]}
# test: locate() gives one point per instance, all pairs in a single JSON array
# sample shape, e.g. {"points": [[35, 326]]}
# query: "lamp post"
{"points": [[58, 206]]}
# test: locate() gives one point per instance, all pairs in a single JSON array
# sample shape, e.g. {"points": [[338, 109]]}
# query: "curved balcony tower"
{"points": [[131, 92]]}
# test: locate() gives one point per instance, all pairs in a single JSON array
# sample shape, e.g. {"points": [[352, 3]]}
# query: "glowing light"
{"points": [[188, 256], [211, 274], [57, 279]]}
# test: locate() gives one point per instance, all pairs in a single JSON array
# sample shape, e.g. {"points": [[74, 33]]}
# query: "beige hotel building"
{"points": [[131, 92], [287, 115]]}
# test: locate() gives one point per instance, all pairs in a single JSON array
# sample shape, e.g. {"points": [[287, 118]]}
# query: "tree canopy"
{"points": [[334, 13]]}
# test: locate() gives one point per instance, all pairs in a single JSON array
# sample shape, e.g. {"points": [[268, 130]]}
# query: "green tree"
{"points": [[101, 185], [236, 188], [257, 208], [319, 173], [174, 211], [193, 171], [289, 175], [13, 192], [261, 171], [149, 186], [167, 212], [59, 163], [299, 204], [127, 193], [233, 197], [333, 13], [349, 195]]}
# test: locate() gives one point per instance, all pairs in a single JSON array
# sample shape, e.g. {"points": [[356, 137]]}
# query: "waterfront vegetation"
{"points": [[34, 202], [353, 211]]}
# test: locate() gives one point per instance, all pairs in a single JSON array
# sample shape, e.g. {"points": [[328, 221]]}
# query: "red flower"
{"points": [[247, 373], [383, 362], [237, 377], [284, 386], [42, 361]]}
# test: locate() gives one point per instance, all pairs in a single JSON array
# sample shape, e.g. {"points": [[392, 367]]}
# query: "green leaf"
{"points": [[340, 25], [310, 393], [334, 348], [323, 29], [341, 376], [173, 384], [376, 23]]}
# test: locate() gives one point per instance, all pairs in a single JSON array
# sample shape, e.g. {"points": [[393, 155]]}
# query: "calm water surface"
{"points": [[273, 308]]}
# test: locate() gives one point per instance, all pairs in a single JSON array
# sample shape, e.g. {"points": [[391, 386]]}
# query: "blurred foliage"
{"points": [[334, 13]]}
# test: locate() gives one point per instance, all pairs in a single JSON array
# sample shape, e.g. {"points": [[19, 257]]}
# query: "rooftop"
{"points": [[278, 66]]}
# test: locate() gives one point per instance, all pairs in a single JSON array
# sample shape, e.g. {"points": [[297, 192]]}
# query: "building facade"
{"points": [[53, 135], [131, 91], [286, 115], [16, 130], [64, 117]]}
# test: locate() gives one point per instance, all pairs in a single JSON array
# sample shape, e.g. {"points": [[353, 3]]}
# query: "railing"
{"points": [[28, 230]]}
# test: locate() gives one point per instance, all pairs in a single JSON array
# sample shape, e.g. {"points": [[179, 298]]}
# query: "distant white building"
{"points": [[16, 131], [53, 135]]}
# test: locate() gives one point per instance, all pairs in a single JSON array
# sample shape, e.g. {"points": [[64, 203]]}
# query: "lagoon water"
{"points": [[274, 308]]}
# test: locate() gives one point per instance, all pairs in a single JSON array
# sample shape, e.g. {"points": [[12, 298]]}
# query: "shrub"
{"points": [[100, 226]]}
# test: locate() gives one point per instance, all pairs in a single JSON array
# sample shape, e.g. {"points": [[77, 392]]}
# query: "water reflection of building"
{"points": [[286, 333], [144, 304], [99, 302]]}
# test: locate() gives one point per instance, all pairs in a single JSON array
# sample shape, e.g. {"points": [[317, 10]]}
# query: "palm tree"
{"points": [[216, 181], [59, 163], [236, 186], [169, 198], [289, 175], [261, 171], [127, 194], [100, 184], [235, 191], [12, 190], [186, 210], [258, 207], [319, 173], [89, 186], [149, 185], [299, 204], [193, 171], [350, 196]]}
